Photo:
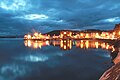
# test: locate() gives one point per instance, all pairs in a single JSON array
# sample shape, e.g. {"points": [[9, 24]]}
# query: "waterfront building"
{"points": [[65, 34], [117, 31]]}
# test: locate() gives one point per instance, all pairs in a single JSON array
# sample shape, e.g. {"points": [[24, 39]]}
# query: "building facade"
{"points": [[117, 31], [65, 34]]}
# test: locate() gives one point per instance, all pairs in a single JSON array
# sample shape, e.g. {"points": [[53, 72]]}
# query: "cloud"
{"points": [[111, 20], [33, 17], [66, 14], [14, 5]]}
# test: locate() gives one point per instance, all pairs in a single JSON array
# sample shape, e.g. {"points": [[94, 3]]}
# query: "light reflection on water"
{"points": [[51, 62], [68, 44]]}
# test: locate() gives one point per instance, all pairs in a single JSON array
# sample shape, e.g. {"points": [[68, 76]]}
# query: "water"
{"points": [[18, 62]]}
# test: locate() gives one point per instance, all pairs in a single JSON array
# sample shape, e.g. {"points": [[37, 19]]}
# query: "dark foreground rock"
{"points": [[112, 74]]}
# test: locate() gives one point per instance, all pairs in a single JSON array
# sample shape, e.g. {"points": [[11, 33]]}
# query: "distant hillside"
{"points": [[57, 32], [92, 30]]}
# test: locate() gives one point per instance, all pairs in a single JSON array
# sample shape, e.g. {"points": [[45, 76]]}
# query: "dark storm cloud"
{"points": [[45, 15]]}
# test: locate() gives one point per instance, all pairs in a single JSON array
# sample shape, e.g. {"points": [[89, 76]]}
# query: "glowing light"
{"points": [[87, 36], [65, 37], [29, 43], [113, 49], [87, 44], [65, 47], [25, 42], [97, 35], [65, 41], [36, 34], [103, 45], [29, 36], [81, 41], [81, 35], [96, 44], [47, 43], [65, 33], [61, 43], [36, 44], [107, 46], [67, 44], [81, 45], [40, 45]]}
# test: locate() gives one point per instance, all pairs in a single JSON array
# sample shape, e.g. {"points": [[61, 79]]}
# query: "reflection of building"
{"points": [[36, 44], [66, 44], [94, 44], [63, 44], [117, 31], [65, 34], [85, 34]]}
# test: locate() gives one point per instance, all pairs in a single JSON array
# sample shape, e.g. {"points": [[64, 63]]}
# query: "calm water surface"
{"points": [[18, 62]]}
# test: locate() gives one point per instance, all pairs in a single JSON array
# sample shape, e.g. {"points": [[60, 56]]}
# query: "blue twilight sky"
{"points": [[23, 16]]}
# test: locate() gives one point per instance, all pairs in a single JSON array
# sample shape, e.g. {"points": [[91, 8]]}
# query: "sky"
{"points": [[18, 17]]}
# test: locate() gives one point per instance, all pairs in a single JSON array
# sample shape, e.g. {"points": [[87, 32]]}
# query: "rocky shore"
{"points": [[114, 72]]}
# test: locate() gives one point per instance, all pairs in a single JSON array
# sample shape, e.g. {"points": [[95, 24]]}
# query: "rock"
{"points": [[112, 74]]}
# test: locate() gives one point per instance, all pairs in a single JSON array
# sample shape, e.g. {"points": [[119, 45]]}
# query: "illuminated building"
{"points": [[82, 35], [117, 30], [87, 35], [27, 36], [65, 34], [73, 35], [55, 37], [37, 36]]}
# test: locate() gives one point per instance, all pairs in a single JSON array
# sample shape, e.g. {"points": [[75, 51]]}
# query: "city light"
{"points": [[64, 35], [70, 35], [66, 39], [68, 44]]}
